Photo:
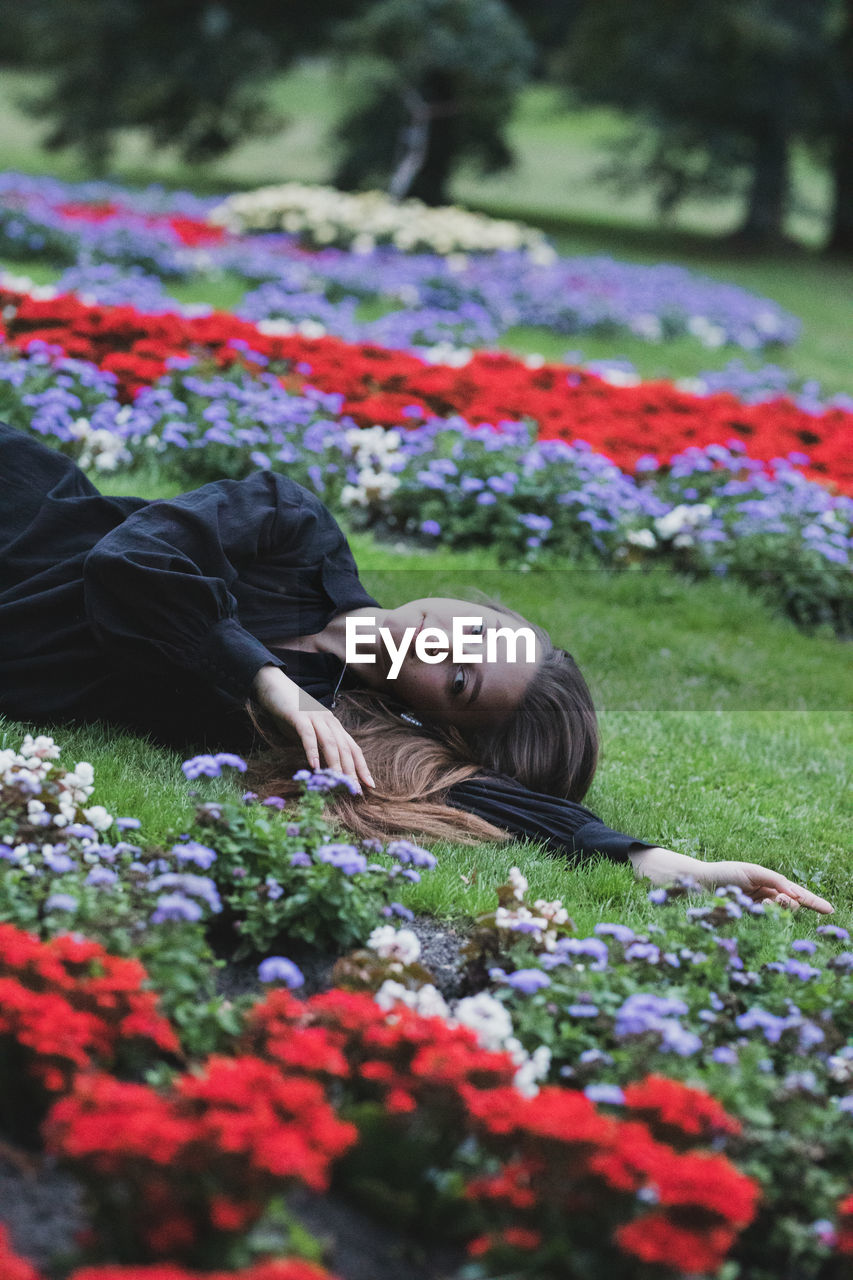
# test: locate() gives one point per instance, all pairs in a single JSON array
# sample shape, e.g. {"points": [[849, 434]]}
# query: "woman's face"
{"points": [[450, 690]]}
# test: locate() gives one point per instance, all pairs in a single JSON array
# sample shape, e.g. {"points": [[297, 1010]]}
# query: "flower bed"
{"points": [[659, 1138], [244, 399], [455, 298]]}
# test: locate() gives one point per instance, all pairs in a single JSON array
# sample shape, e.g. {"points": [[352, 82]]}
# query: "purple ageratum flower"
{"points": [[725, 1055], [273, 802], [431, 527], [620, 932], [280, 969], [211, 766], [567, 949], [54, 860], [658, 897], [804, 945], [643, 951], [397, 909], [187, 883], [527, 981], [176, 907], [198, 854], [274, 889], [343, 856], [582, 1010], [609, 1094], [326, 780], [61, 902], [844, 961], [300, 859], [833, 931], [128, 824], [797, 969], [409, 854], [101, 876]]}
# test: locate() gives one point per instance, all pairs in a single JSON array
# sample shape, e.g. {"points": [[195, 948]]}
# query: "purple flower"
{"points": [[101, 876], [343, 856], [431, 527], [582, 1010], [198, 854], [620, 932], [128, 824], [658, 897], [527, 981], [274, 889], [175, 906], [805, 945], [406, 853], [326, 780], [397, 909], [725, 1055], [280, 969], [300, 859], [201, 766], [274, 802], [606, 1093], [833, 931], [643, 951], [61, 902]]}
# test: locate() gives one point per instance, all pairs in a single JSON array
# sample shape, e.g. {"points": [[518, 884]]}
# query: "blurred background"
{"points": [[657, 125]]}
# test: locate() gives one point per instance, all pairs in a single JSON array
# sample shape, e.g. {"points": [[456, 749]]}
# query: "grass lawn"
{"points": [[725, 731], [725, 735]]}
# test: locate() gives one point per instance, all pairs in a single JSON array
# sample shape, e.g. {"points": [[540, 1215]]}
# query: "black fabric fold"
{"points": [[565, 827]]}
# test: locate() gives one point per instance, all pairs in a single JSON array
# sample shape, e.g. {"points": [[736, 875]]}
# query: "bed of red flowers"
{"points": [[177, 1172], [394, 388]]}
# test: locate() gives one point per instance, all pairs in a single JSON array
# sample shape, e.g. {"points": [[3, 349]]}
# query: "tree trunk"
{"points": [[767, 204], [442, 149], [841, 226]]}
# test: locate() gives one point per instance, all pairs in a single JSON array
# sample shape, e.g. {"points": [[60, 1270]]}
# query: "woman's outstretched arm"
{"points": [[759, 883], [574, 831]]}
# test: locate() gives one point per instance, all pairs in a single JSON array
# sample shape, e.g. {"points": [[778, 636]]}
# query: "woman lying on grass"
{"points": [[233, 618]]}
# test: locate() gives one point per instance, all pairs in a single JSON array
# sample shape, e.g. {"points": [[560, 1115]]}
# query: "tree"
{"points": [[189, 73], [720, 86], [840, 128], [439, 79]]}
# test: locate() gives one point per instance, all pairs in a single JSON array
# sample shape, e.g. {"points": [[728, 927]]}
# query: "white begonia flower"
{"points": [[42, 747], [642, 538], [682, 518], [487, 1017], [98, 817], [395, 944], [518, 882]]}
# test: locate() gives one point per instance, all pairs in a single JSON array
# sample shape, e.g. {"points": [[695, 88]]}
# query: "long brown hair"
{"points": [[550, 744]]}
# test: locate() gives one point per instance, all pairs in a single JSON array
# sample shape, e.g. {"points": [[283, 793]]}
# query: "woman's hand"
{"points": [[318, 728], [759, 883]]}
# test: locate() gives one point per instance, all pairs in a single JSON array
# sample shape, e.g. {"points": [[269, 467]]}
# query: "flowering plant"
{"points": [[291, 876], [770, 1039]]}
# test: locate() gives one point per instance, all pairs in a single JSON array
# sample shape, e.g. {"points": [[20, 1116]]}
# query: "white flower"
{"points": [[518, 882], [642, 538], [426, 1000], [682, 519], [42, 747], [395, 944], [98, 817], [487, 1017]]}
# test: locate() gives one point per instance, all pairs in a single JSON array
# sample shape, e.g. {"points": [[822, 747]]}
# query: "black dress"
{"points": [[156, 616]]}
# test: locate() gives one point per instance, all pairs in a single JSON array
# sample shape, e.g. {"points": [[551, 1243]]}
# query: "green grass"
{"points": [[725, 733], [724, 736]]}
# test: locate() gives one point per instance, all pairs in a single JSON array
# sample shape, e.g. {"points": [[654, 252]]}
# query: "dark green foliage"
{"points": [[191, 75], [440, 80], [720, 89]]}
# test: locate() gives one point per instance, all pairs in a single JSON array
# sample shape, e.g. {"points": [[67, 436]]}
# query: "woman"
{"points": [[220, 619]]}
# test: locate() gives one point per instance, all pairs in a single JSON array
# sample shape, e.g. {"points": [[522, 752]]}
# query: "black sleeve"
{"points": [[159, 586], [566, 827]]}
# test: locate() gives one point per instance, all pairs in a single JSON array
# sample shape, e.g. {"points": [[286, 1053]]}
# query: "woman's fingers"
{"points": [[785, 893]]}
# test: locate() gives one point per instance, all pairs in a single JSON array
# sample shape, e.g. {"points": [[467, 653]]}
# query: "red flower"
{"points": [[674, 1110], [656, 1238], [11, 1266]]}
